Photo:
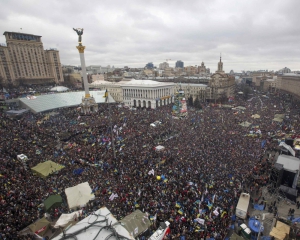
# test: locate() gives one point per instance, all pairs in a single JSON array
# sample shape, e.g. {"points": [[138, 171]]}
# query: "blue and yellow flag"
{"points": [[178, 205], [180, 211]]}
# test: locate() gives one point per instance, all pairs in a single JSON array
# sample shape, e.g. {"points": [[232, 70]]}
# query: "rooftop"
{"points": [[146, 83], [49, 102]]}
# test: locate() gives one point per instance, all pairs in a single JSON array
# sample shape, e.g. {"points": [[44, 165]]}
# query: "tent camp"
{"points": [[40, 227], [255, 116], [46, 168], [159, 148], [136, 223], [79, 195], [245, 124], [66, 219], [52, 202]]}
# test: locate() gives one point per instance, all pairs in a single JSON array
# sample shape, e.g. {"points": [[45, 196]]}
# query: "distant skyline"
{"points": [[250, 35]]}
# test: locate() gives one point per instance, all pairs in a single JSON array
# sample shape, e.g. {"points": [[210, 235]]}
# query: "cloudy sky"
{"points": [[250, 34]]}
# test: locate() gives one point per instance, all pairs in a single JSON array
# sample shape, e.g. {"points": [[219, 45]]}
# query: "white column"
{"points": [[83, 69]]}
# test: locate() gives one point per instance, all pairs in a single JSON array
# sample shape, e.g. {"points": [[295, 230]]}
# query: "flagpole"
{"points": [[111, 130]]}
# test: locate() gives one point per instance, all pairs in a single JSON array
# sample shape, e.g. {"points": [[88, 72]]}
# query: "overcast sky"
{"points": [[250, 34]]}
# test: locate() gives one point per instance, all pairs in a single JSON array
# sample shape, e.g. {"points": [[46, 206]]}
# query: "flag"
{"points": [[180, 211], [178, 205], [209, 205], [200, 220], [223, 213], [216, 212], [151, 172], [213, 199], [113, 196], [105, 94]]}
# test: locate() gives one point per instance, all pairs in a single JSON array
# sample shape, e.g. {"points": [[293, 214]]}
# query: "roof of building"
{"points": [[146, 83], [289, 163], [192, 84], [49, 102], [22, 33]]}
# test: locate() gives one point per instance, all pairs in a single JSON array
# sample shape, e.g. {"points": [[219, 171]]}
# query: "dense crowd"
{"points": [[208, 160]]}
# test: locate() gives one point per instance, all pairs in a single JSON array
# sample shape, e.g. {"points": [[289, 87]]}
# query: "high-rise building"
{"points": [[149, 65], [163, 66], [179, 64], [24, 60]]}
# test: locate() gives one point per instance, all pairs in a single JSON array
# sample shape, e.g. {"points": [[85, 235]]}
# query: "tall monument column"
{"points": [[88, 104]]}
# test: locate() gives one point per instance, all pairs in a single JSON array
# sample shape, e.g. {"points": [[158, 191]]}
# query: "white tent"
{"points": [[59, 89], [159, 148], [288, 147], [89, 227], [65, 219], [79, 195]]}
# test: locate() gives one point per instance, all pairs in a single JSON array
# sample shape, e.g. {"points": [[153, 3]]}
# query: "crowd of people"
{"points": [[194, 183]]}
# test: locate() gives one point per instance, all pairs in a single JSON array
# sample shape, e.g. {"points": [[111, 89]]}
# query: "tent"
{"points": [[255, 116], [59, 89], [288, 147], [79, 195], [245, 124], [52, 201], [98, 226], [297, 143], [136, 223], [66, 219], [40, 227], [46, 168], [159, 148], [279, 116], [277, 119], [280, 231]]}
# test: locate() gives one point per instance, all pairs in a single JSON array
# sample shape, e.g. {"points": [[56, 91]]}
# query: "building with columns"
{"points": [[147, 93]]}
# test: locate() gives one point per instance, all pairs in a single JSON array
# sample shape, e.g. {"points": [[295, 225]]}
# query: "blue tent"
{"points": [[296, 220], [255, 225]]}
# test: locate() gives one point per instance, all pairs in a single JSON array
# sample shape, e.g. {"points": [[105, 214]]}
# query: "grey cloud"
{"points": [[250, 34]]}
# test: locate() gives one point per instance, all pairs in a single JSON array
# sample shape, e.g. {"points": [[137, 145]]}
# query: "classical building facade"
{"points": [[113, 88], [202, 68], [289, 83], [221, 84], [24, 60], [193, 90], [147, 93]]}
